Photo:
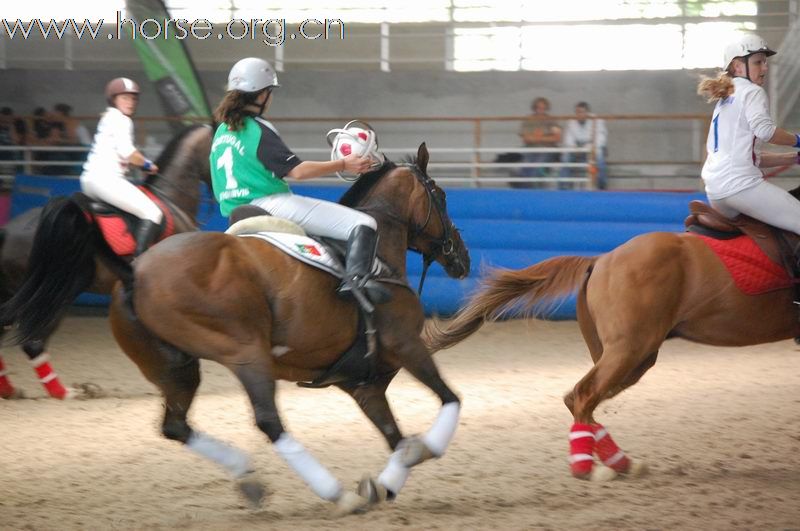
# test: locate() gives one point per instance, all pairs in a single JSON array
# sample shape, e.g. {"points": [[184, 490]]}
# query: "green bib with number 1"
{"points": [[237, 175]]}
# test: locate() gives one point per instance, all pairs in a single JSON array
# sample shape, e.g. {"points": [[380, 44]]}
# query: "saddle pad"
{"points": [[749, 267], [117, 231], [302, 248]]}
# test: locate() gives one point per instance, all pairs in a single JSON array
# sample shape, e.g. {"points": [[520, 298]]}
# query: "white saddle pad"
{"points": [[292, 240], [302, 248]]}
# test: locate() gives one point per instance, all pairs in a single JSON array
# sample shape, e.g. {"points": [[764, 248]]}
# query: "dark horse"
{"points": [[267, 316], [184, 165], [630, 300]]}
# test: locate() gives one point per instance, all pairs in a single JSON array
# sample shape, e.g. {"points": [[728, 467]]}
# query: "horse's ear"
{"points": [[422, 158]]}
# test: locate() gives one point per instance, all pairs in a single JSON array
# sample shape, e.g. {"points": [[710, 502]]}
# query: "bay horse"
{"points": [[655, 287], [184, 165], [267, 316]]}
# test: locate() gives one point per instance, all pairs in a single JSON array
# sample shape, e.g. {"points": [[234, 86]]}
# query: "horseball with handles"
{"points": [[355, 137]]}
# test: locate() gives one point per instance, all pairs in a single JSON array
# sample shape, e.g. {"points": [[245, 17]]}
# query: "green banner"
{"points": [[167, 64]]}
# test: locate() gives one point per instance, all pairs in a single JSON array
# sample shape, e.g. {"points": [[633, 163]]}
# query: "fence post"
{"points": [[476, 155]]}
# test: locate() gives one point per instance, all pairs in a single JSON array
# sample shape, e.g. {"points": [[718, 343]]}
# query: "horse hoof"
{"points": [[16, 394], [349, 503], [371, 490], [601, 474], [71, 393], [413, 452], [252, 489], [637, 469]]}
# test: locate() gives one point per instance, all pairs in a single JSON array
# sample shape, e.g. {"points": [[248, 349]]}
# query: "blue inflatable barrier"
{"points": [[503, 228], [32, 191]]}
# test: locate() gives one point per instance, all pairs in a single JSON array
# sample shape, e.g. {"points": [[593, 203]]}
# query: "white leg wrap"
{"points": [[395, 474], [441, 433], [230, 458], [312, 471], [44, 357]]}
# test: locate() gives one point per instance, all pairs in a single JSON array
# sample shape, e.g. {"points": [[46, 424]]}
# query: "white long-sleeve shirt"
{"points": [[112, 145], [740, 124], [578, 134]]}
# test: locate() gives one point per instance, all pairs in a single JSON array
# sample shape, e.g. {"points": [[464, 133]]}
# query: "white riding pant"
{"points": [[765, 202], [122, 194], [316, 216]]}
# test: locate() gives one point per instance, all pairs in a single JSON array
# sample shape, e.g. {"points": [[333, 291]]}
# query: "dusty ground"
{"points": [[718, 427]]}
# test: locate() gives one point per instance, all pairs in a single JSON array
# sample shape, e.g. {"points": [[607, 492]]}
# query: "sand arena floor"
{"points": [[718, 427]]}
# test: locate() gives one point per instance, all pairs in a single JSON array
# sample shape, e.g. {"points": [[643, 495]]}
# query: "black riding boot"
{"points": [[145, 235], [361, 246]]}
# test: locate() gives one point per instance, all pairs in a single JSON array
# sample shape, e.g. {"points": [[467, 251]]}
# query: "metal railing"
{"points": [[29, 160], [647, 150]]}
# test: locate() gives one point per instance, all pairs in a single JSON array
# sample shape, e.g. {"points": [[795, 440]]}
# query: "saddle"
{"points": [[119, 227], [357, 365], [780, 246]]}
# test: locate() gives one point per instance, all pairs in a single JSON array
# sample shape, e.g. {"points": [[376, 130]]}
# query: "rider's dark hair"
{"points": [[232, 109]]}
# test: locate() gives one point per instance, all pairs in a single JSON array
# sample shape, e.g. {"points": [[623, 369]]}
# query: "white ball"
{"points": [[355, 140]]}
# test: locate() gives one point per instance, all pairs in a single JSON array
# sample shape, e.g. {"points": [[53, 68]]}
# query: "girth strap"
{"points": [[358, 365]]}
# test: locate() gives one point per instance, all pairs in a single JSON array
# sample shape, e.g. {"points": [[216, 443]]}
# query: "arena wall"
{"points": [[502, 228]]}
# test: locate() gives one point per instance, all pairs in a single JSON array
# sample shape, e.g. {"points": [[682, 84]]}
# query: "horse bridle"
{"points": [[444, 245]]}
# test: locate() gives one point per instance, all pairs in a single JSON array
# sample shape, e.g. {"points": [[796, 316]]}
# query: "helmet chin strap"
{"points": [[264, 103], [746, 69], [259, 106]]}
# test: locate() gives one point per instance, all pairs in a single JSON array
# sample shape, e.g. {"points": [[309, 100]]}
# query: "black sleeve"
{"points": [[273, 153]]}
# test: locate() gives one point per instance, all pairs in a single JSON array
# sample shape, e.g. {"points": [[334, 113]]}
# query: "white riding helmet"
{"points": [[744, 45], [252, 74], [355, 137]]}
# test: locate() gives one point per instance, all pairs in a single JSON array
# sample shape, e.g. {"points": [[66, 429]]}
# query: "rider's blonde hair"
{"points": [[716, 89]]}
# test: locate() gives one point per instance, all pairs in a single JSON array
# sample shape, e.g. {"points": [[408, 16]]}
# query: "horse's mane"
{"points": [[168, 152], [364, 184]]}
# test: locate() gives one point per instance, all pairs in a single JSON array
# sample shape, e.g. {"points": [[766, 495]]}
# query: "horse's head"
{"points": [[431, 231], [407, 198], [183, 164]]}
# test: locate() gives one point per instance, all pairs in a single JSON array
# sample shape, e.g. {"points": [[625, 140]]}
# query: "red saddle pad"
{"points": [[751, 269], [117, 233]]}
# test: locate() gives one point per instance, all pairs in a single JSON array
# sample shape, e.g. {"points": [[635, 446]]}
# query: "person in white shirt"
{"points": [[584, 131], [740, 123], [104, 173]]}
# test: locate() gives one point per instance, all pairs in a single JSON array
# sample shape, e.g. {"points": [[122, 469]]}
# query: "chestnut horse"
{"points": [[267, 316], [654, 287], [184, 165]]}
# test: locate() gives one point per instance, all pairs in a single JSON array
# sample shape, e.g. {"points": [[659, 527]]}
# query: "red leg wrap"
{"points": [[581, 446], [49, 378], [6, 389], [608, 452]]}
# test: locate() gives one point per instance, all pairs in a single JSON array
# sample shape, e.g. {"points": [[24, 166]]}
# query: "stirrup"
{"points": [[377, 293]]}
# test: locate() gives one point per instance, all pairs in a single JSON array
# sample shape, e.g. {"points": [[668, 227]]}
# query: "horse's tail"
{"points": [[534, 289], [61, 266]]}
